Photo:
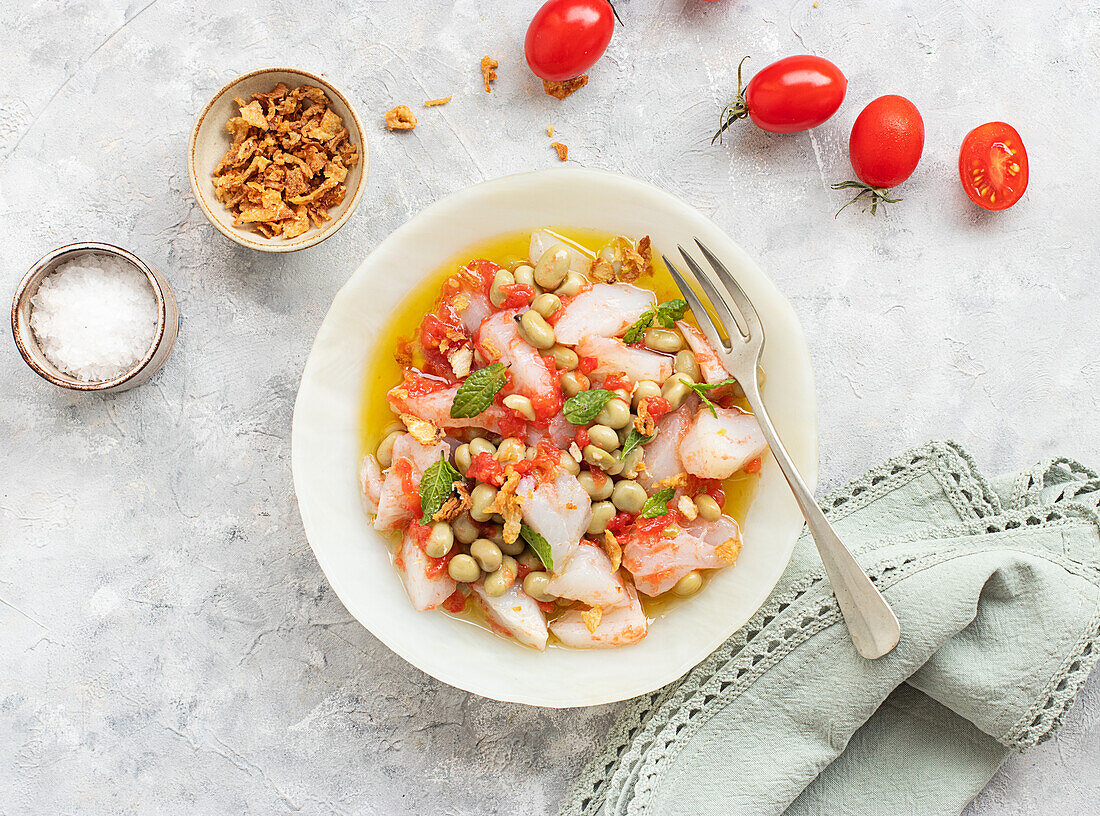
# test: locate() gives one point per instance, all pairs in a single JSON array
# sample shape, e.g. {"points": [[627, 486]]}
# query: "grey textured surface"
{"points": [[170, 645]]}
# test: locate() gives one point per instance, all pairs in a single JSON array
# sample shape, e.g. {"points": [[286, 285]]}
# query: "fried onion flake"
{"points": [[286, 166]]}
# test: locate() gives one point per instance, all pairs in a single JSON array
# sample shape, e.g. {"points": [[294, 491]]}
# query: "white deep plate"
{"points": [[326, 452]]}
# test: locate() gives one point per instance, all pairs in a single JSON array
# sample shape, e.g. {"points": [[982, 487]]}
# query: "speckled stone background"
{"points": [[169, 643]]}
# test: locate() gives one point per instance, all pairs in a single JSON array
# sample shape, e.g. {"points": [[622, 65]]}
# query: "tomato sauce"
{"points": [[485, 468]]}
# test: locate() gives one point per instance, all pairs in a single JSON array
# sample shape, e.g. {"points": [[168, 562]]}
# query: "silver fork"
{"points": [[871, 622]]}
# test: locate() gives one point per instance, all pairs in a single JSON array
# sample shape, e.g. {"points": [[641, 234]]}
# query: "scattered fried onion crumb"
{"points": [[460, 359], [687, 508], [679, 480], [636, 261], [550, 131], [509, 505], [728, 550], [455, 505], [592, 618], [602, 271], [421, 430], [431, 103], [287, 163], [560, 90], [400, 118], [645, 424], [563, 151], [488, 72], [613, 549]]}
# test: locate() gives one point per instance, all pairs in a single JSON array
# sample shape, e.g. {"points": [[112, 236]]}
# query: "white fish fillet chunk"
{"points": [[587, 576], [500, 341], [657, 560], [425, 591], [705, 356], [559, 511], [472, 308], [662, 455], [558, 430], [616, 358], [717, 447], [517, 612], [370, 482], [605, 310], [436, 408], [542, 240], [619, 626], [396, 504]]}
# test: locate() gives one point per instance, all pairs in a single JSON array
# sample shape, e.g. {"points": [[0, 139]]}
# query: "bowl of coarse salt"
{"points": [[94, 317]]}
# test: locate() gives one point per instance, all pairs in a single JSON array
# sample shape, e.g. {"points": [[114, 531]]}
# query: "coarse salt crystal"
{"points": [[94, 317]]}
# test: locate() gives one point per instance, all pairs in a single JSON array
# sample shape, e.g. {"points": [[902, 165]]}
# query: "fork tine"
{"points": [[702, 316], [720, 303], [752, 319]]}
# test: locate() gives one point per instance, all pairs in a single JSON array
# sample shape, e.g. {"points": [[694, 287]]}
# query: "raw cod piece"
{"points": [[517, 612], [616, 358], [370, 482], [399, 497], [716, 447], [587, 576], [426, 591], [619, 626], [500, 341], [709, 364], [542, 240], [659, 559], [436, 408], [475, 308], [662, 455], [559, 511], [605, 310]]}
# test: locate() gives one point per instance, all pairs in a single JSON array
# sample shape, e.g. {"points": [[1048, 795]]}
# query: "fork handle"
{"points": [[872, 624]]}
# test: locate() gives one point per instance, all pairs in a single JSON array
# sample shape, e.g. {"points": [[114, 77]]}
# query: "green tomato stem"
{"points": [[878, 195]]}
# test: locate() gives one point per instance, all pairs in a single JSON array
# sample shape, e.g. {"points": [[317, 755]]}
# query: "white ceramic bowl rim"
{"points": [[326, 447]]}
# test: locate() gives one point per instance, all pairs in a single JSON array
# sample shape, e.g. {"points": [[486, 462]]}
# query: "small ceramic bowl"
{"points": [[210, 140], [163, 340]]}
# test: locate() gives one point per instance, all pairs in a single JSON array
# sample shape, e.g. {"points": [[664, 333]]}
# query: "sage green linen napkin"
{"points": [[997, 587]]}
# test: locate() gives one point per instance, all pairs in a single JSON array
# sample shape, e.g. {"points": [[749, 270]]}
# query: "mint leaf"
{"points": [[435, 486], [633, 440], [657, 504], [477, 391], [538, 545], [670, 311], [702, 388], [635, 332], [666, 315], [582, 408]]}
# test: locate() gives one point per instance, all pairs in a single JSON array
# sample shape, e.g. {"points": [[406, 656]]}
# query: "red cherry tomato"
{"points": [[788, 96], [993, 166], [887, 141], [885, 146], [566, 37]]}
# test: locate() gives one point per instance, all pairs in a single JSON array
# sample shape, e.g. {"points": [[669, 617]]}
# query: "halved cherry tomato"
{"points": [[993, 166], [794, 94], [566, 37], [885, 146]]}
